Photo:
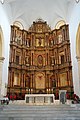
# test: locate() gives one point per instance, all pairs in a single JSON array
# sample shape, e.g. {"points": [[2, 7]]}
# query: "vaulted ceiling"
{"points": [[27, 11]]}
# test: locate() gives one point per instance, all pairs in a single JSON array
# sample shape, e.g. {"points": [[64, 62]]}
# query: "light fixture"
{"points": [[77, 1], [2, 1]]}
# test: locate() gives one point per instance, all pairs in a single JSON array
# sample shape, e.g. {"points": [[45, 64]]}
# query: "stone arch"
{"points": [[18, 24], [1, 57], [1, 42], [59, 24], [78, 49], [78, 42], [0, 45]]}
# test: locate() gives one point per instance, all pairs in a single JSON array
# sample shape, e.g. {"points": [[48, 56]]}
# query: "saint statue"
{"points": [[39, 42]]}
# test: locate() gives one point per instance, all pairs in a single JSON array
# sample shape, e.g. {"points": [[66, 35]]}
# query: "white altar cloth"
{"points": [[39, 99]]}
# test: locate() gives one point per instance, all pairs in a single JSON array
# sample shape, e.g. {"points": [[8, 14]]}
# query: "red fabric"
{"points": [[15, 97], [11, 97], [67, 95]]}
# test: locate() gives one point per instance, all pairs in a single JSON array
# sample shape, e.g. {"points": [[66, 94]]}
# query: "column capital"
{"points": [[78, 58], [2, 59]]}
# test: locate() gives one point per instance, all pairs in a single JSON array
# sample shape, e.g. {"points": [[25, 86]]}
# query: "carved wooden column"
{"points": [[1, 65], [68, 78], [47, 82]]}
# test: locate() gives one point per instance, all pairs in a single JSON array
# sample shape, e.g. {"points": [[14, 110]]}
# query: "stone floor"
{"points": [[43, 112]]}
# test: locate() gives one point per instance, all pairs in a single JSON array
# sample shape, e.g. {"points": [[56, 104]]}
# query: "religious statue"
{"points": [[40, 60], [59, 38], [52, 60], [27, 60], [18, 39], [39, 42]]}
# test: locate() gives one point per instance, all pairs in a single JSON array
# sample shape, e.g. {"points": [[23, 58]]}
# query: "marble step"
{"points": [[22, 115], [10, 108], [40, 118], [40, 106], [55, 112]]}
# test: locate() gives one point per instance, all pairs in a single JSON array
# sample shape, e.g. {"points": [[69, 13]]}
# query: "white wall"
{"points": [[73, 26], [4, 23]]}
